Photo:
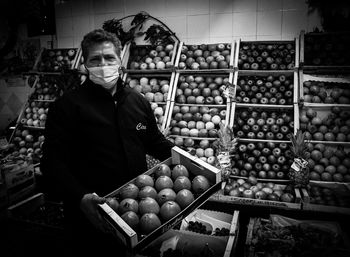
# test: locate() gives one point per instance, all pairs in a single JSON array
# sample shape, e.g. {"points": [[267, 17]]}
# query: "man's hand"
{"points": [[89, 205]]}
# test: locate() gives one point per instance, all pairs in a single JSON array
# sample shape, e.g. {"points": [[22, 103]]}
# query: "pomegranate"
{"points": [[129, 191], [184, 198], [179, 170], [169, 210], [162, 170], [287, 197], [200, 184], [147, 191], [113, 203], [149, 222], [163, 182], [166, 194], [148, 205], [144, 180], [182, 182], [131, 218], [128, 204]]}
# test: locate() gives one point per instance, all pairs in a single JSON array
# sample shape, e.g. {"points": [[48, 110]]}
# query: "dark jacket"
{"points": [[93, 145]]}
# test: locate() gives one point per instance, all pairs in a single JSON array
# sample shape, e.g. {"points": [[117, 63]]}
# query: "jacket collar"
{"points": [[101, 91]]}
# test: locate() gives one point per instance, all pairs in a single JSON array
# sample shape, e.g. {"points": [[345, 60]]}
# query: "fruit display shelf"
{"points": [[326, 197], [252, 192], [267, 161], [324, 89], [266, 87], [325, 124], [156, 88], [329, 162], [267, 55], [263, 122], [56, 60], [204, 180], [149, 59], [206, 231], [324, 51], [205, 57], [279, 235]]}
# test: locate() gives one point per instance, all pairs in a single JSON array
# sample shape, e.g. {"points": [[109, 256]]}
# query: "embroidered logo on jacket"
{"points": [[140, 126]]}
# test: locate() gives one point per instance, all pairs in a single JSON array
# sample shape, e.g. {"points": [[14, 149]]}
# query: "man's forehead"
{"points": [[102, 48]]}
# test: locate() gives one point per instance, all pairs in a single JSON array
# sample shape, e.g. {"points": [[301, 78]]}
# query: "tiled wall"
{"points": [[194, 21]]}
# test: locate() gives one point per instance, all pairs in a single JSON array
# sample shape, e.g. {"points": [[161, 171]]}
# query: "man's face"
{"points": [[102, 54]]}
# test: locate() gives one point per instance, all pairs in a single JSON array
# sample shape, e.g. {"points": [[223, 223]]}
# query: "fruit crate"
{"points": [[56, 60], [267, 55], [259, 123], [149, 59], [324, 89], [205, 57], [234, 194], [324, 51], [157, 89], [266, 161], [274, 88], [329, 163], [36, 216], [136, 241], [285, 236], [327, 197], [180, 240], [324, 124]]}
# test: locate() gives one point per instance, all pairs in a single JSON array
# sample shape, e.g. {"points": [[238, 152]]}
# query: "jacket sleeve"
{"points": [[159, 147], [57, 155]]}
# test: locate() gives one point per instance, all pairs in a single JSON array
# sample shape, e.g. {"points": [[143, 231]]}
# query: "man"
{"points": [[96, 139]]}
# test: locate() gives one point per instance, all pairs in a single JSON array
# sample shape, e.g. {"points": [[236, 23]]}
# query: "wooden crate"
{"points": [[230, 64], [126, 59], [295, 42], [192, 242], [341, 190], [221, 198], [195, 166], [318, 36]]}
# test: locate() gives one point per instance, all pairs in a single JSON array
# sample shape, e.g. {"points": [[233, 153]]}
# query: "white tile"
{"points": [[197, 41], [269, 23], [64, 27], [77, 41], [268, 38], [198, 26], [99, 19], [81, 25], [289, 36], [175, 8], [99, 6], [63, 10], [220, 6], [178, 25], [218, 40], [82, 7], [134, 6], [65, 42], [313, 21], [195, 7], [269, 5], [245, 38], [244, 24], [155, 7], [221, 25], [114, 6], [244, 5], [294, 21], [294, 5]]}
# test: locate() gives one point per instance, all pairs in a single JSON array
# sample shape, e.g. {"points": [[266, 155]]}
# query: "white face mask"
{"points": [[106, 76]]}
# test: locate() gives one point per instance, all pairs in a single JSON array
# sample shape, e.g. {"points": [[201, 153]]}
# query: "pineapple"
{"points": [[224, 145], [299, 171]]}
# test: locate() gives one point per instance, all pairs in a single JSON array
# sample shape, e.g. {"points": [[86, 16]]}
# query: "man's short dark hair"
{"points": [[98, 36]]}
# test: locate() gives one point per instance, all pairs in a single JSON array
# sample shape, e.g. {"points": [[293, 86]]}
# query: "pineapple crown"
{"points": [[226, 140], [299, 145]]}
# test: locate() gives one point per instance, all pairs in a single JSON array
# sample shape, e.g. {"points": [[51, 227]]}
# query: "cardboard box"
{"points": [[195, 166]]}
